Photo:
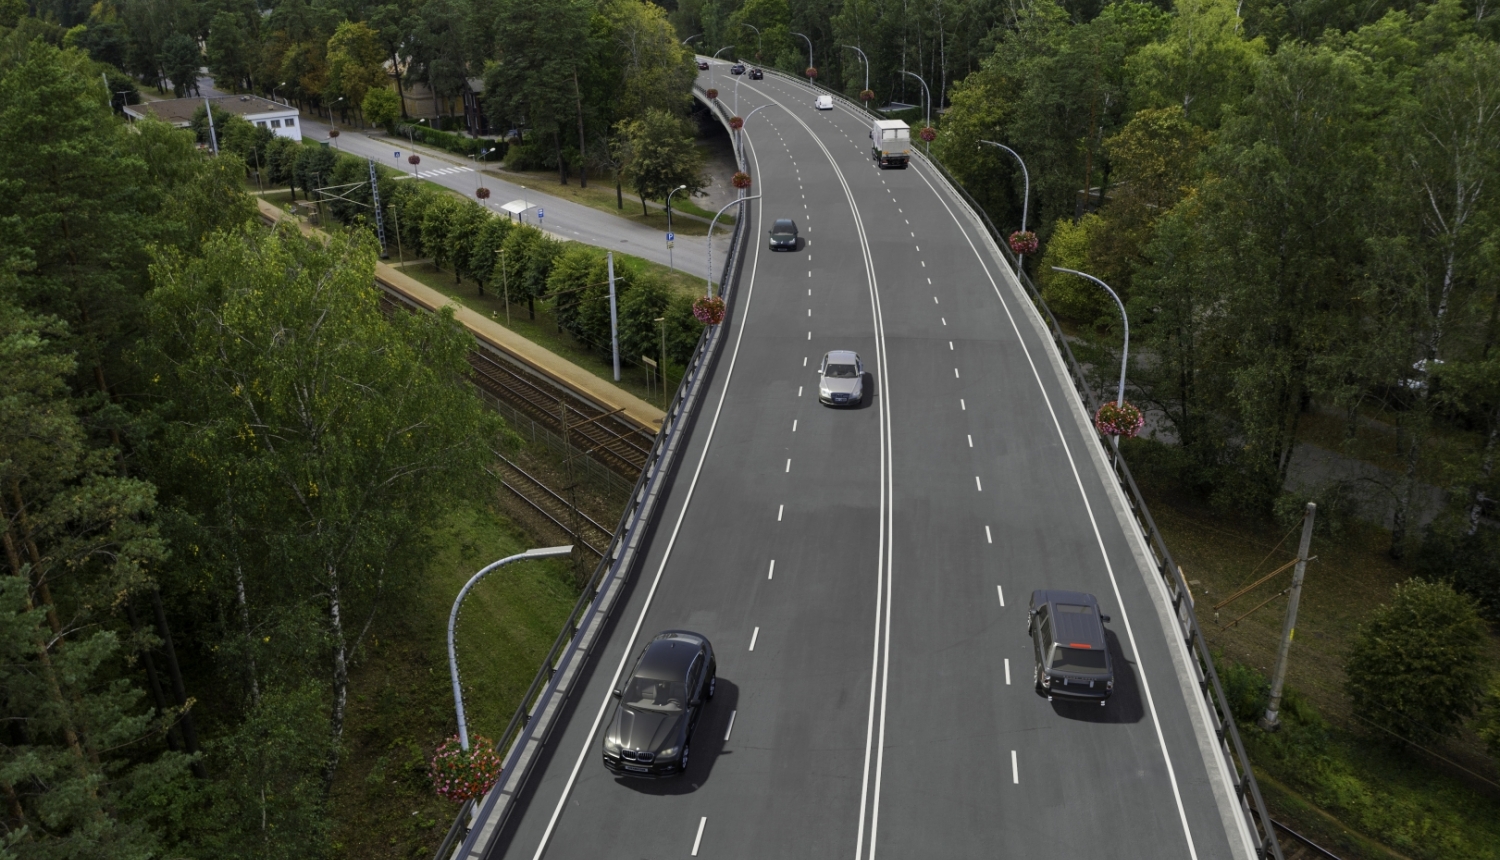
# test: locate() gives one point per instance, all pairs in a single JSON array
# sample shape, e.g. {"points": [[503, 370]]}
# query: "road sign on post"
{"points": [[396, 155], [671, 236], [540, 213]]}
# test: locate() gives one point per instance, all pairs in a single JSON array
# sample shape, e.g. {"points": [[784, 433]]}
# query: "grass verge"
{"points": [[402, 706], [543, 331]]}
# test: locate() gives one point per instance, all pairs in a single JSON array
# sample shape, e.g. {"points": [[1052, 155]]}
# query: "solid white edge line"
{"points": [[1187, 831], [671, 542], [699, 838]]}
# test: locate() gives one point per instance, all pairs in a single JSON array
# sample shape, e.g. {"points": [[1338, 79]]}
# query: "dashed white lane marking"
{"points": [[754, 636], [809, 335], [977, 486], [914, 235], [1015, 773], [809, 310], [929, 282], [924, 264], [961, 405], [771, 574], [987, 536], [794, 427], [950, 346], [781, 509], [799, 388], [918, 247], [944, 319], [971, 439], [789, 464], [730, 730], [699, 838], [955, 373], [1000, 590], [1007, 683], [934, 300], [804, 358]]}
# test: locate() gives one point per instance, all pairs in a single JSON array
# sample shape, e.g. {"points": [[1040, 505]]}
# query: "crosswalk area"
{"points": [[442, 171]]}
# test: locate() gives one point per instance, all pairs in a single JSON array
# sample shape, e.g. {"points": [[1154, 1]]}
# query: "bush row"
{"points": [[455, 143]]}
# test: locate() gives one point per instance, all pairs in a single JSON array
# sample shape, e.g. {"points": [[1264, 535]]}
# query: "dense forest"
{"points": [[217, 457]]}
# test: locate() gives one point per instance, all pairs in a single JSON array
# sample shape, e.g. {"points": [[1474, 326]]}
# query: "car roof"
{"points": [[842, 356], [1080, 627], [784, 222], [668, 655]]}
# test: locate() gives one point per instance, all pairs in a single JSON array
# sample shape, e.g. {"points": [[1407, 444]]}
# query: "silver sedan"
{"points": [[841, 379]]}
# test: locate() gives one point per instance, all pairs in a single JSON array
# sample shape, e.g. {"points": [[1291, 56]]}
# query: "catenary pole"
{"points": [[1272, 720]]}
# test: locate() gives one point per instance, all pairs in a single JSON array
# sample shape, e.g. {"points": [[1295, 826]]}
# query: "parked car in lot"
{"points": [[1068, 645], [824, 103], [841, 379], [757, 75], [784, 235], [737, 69], [660, 702], [703, 65]]}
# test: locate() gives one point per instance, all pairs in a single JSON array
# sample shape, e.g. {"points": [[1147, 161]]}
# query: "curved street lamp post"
{"points": [[810, 63], [669, 223], [710, 285], [1025, 195], [927, 94], [866, 61], [757, 39], [1125, 350], [458, 697]]}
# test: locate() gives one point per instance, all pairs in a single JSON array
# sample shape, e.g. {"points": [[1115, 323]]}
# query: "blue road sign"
{"points": [[540, 212], [671, 236], [396, 154]]}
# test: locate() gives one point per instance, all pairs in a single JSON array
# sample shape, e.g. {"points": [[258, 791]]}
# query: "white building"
{"points": [[282, 120]]}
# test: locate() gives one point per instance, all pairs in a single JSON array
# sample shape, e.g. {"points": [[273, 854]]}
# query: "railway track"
{"points": [[1295, 846], [585, 531], [608, 439]]}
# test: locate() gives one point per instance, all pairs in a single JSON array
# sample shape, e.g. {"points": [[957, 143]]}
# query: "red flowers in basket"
{"points": [[866, 95], [740, 180], [1122, 419], [709, 310], [928, 133], [464, 775], [713, 94], [812, 72], [482, 193], [1023, 242], [736, 123]]}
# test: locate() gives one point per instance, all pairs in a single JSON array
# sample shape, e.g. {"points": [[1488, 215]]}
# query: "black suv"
{"points": [[737, 69], [757, 75], [784, 235], [1067, 642], [660, 703]]}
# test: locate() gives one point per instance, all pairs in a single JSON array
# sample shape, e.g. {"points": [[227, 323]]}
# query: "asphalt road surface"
{"points": [[864, 573], [562, 218]]}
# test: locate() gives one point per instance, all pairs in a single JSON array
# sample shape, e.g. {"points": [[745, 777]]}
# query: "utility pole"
{"points": [[375, 198], [1272, 720], [614, 320], [212, 136]]}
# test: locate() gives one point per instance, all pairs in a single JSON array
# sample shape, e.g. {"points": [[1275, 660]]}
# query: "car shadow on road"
{"points": [[870, 393], [1124, 704], [705, 749]]}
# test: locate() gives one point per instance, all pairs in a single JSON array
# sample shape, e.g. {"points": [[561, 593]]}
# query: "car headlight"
{"points": [[1046, 680], [668, 752], [1110, 684], [611, 747], [823, 390]]}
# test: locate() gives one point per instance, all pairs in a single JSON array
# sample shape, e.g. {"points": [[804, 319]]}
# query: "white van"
{"points": [[824, 103]]}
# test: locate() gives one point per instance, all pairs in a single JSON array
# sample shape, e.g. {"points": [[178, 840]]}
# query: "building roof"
{"points": [[179, 112]]}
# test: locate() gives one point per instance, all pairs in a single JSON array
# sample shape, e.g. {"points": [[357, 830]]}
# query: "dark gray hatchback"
{"points": [[1068, 646], [784, 235], [660, 702]]}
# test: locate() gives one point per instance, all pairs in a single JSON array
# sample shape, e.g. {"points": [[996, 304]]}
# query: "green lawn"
{"points": [[601, 195], [401, 704]]}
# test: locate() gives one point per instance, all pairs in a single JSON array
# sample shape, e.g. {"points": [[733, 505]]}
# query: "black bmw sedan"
{"points": [[660, 702]]}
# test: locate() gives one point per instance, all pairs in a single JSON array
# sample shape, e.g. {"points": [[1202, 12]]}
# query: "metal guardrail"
{"points": [[535, 717], [1230, 745]]}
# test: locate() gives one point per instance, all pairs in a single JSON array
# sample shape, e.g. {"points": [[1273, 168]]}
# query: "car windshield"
{"points": [[655, 695], [1082, 661], [841, 371], [783, 228]]}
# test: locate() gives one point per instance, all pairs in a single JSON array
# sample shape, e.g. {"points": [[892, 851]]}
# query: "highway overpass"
{"points": [[864, 573]]}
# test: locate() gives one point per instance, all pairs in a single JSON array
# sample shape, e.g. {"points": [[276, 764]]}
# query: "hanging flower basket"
{"points": [[812, 72], [928, 133], [709, 311], [482, 193], [740, 180], [333, 132], [458, 775], [736, 123], [1023, 242], [713, 94], [1122, 420], [414, 159], [866, 95]]}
